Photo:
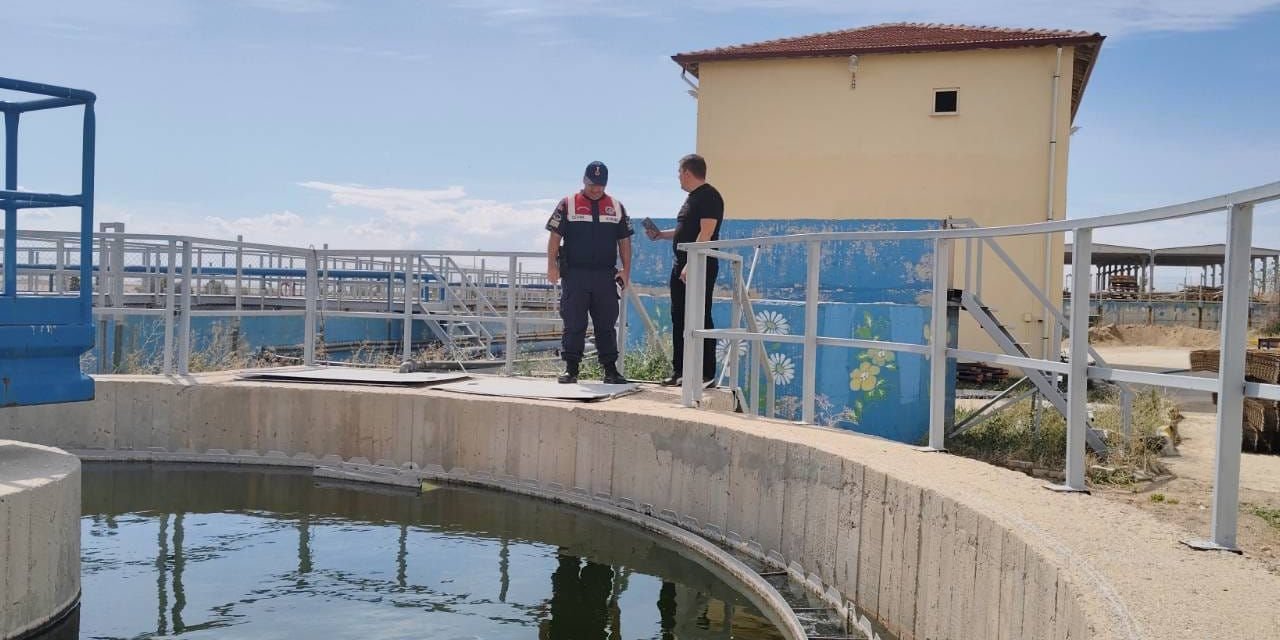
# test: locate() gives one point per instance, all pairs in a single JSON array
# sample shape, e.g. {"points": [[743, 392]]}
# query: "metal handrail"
{"points": [[1230, 385], [1250, 197]]}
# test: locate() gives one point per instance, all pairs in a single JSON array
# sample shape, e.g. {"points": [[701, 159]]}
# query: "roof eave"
{"points": [[1089, 52], [691, 60]]}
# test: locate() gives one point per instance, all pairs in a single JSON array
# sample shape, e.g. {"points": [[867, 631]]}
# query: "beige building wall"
{"points": [[789, 138]]}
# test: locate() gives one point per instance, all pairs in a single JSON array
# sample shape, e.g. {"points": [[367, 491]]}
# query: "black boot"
{"points": [[570, 375], [611, 375]]}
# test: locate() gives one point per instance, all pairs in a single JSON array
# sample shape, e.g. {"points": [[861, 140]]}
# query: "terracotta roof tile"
{"points": [[889, 38], [910, 37]]}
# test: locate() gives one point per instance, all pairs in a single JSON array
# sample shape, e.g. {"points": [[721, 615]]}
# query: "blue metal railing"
{"points": [[41, 339]]}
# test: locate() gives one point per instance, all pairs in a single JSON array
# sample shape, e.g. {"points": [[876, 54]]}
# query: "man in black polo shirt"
{"points": [[699, 220], [596, 232]]}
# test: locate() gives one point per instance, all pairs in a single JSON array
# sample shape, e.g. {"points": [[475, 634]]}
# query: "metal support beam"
{"points": [[184, 343], [11, 212], [1231, 379], [809, 382], [170, 282], [694, 320], [309, 332], [938, 345], [1078, 383], [512, 297], [410, 272]]}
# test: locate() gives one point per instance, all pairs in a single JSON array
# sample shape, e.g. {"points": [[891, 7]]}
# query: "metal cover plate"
{"points": [[540, 389], [345, 375]]}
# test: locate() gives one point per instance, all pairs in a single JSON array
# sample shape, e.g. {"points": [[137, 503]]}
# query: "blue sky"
{"points": [[454, 124]]}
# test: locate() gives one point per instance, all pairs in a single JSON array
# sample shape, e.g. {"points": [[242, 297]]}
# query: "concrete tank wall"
{"points": [[39, 536], [933, 546]]}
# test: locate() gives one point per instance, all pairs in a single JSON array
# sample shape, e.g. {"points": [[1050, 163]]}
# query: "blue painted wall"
{"points": [[851, 271], [870, 291]]}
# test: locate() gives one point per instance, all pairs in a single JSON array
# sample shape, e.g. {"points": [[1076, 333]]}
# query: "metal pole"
{"points": [[167, 364], [410, 269], [86, 211], [184, 346], [1078, 380], [512, 283], [104, 265], [938, 345], [60, 282], [309, 303], [809, 383], [694, 295], [735, 322], [11, 212], [239, 269], [1231, 372], [977, 282]]}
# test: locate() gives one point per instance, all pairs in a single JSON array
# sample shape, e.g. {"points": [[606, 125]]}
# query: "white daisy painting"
{"points": [[781, 369], [722, 349], [772, 322]]}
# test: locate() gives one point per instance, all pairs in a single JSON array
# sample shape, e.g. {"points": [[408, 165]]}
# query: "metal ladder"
{"points": [[1044, 383]]}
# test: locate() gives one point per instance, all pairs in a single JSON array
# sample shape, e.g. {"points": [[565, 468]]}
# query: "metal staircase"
{"points": [[1042, 381], [463, 339]]}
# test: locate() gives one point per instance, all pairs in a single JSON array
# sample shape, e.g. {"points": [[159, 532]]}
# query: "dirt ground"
{"points": [[1152, 335], [1188, 493], [1184, 498]]}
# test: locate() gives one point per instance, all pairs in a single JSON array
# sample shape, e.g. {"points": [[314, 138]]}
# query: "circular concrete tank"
{"points": [[39, 537]]}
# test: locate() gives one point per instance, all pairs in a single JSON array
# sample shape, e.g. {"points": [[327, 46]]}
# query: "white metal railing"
{"points": [[1231, 386], [178, 278]]}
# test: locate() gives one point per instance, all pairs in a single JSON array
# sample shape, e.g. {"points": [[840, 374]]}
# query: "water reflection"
{"points": [[450, 563]]}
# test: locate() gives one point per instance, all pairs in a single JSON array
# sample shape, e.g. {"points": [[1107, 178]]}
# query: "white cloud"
{"points": [[271, 225], [1112, 17], [441, 218]]}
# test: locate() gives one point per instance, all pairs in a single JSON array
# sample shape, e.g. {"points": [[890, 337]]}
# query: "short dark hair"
{"points": [[695, 164]]}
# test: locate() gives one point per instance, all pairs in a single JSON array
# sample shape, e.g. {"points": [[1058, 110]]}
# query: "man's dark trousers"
{"points": [[677, 322], [587, 292]]}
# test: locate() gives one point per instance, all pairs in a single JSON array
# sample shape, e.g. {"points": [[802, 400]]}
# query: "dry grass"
{"points": [[1011, 436]]}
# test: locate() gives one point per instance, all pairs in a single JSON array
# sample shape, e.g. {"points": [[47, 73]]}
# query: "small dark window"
{"points": [[944, 100]]}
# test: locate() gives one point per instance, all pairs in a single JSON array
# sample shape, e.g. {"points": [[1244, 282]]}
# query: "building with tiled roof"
{"points": [[909, 37], [902, 120]]}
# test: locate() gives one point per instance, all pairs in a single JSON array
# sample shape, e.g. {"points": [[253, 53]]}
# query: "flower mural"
{"points": [[781, 369], [880, 357], [772, 322], [865, 377], [722, 349]]}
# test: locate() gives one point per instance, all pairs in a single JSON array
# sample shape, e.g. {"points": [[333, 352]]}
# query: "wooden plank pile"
{"points": [[979, 373], [1123, 284], [1201, 293], [1261, 417]]}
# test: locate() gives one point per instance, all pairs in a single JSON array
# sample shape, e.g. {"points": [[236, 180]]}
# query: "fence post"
{"points": [[1078, 380], [184, 345], [170, 282], [938, 342], [694, 320], [410, 269], [512, 342], [309, 333], [239, 268], [60, 282], [1231, 372], [731, 347], [809, 381]]}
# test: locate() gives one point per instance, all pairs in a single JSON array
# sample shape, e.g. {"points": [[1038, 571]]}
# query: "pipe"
{"points": [[684, 75], [1046, 328]]}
